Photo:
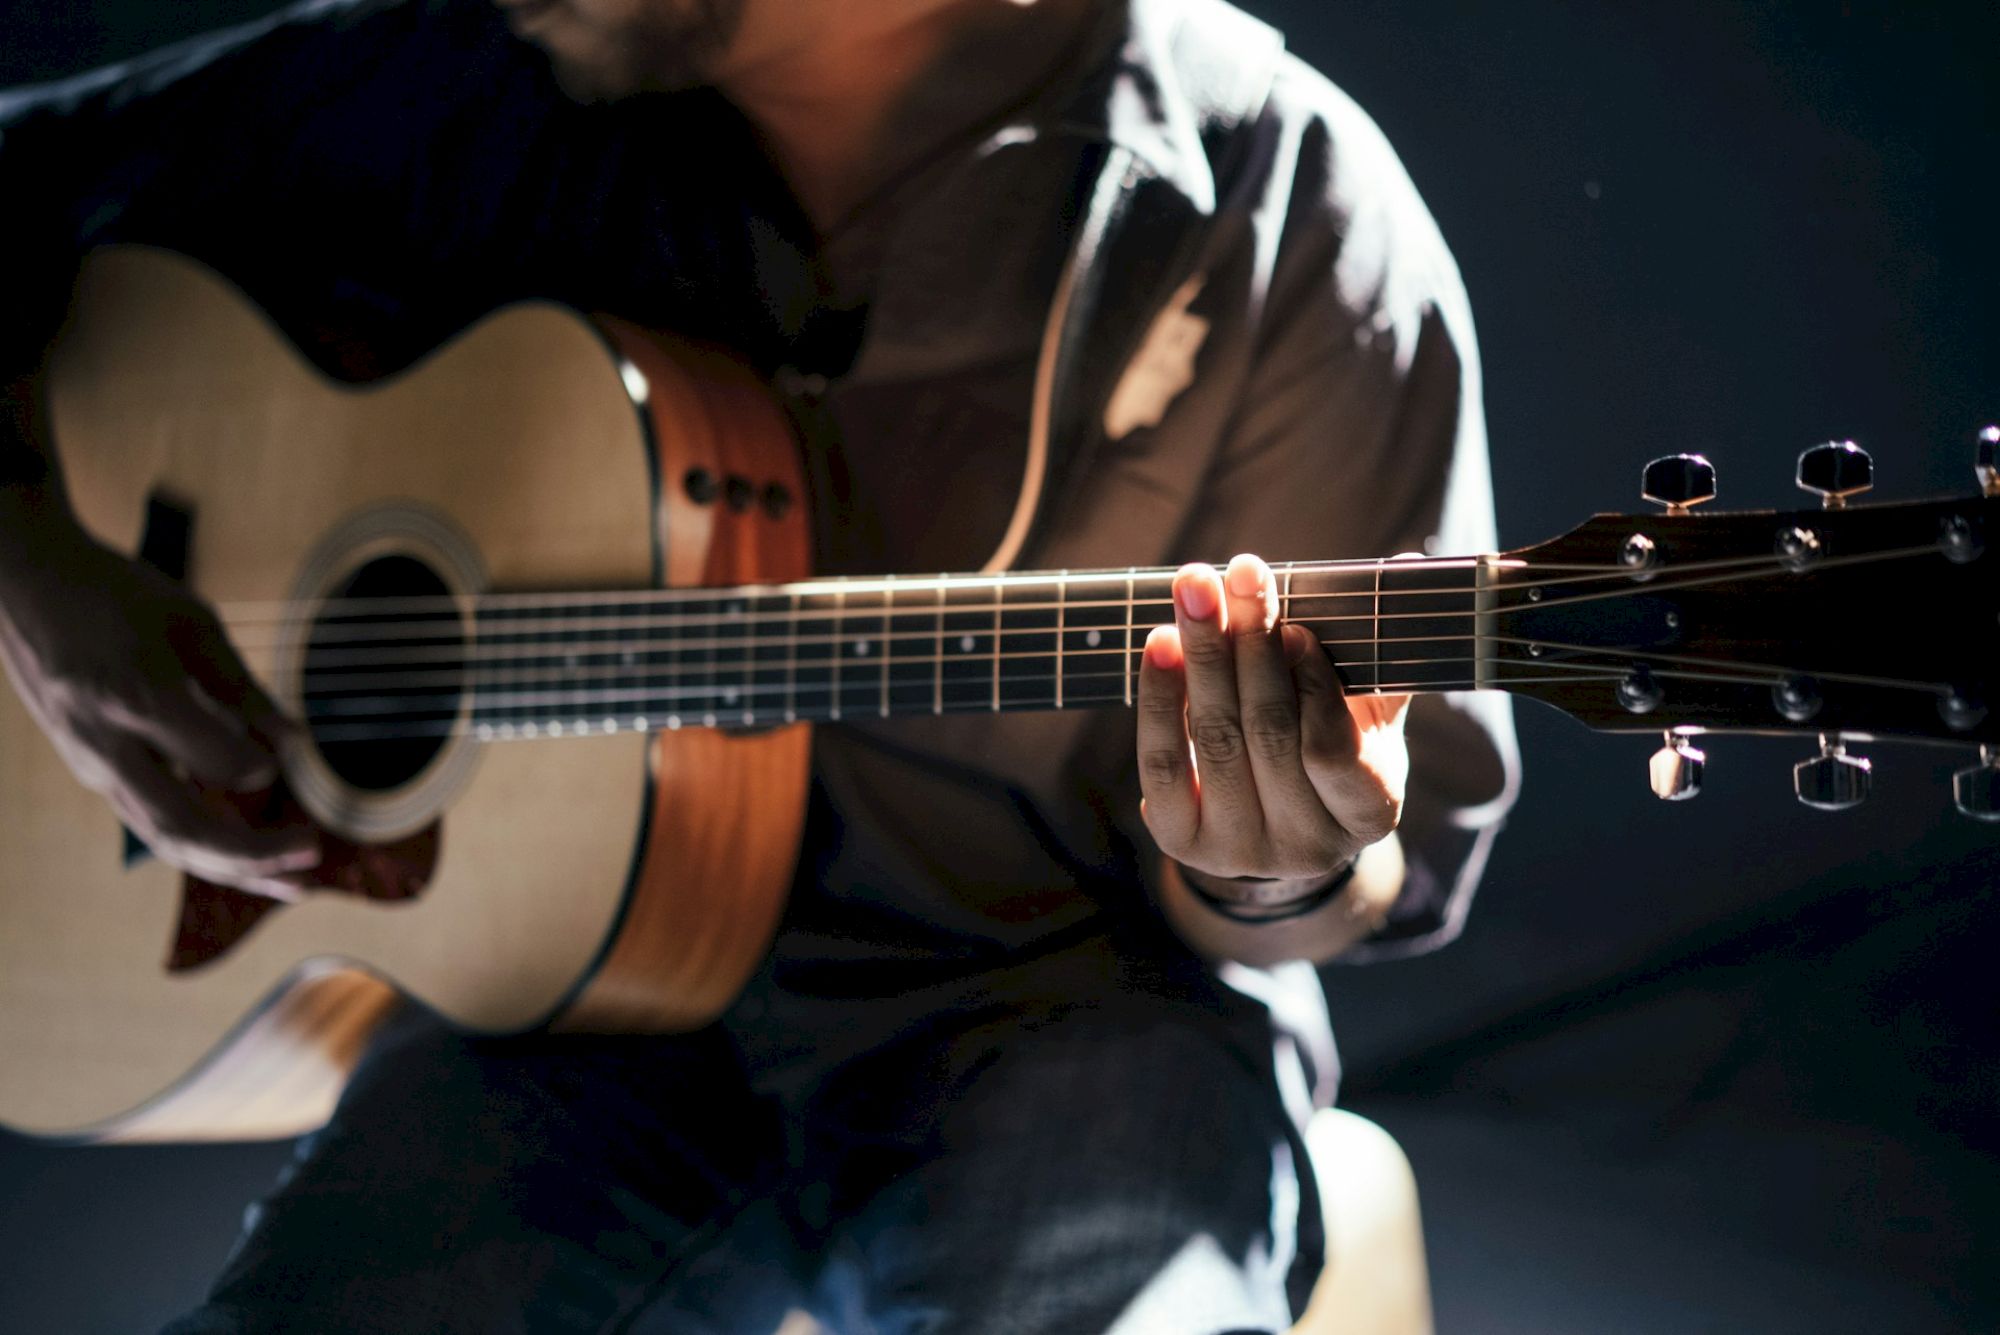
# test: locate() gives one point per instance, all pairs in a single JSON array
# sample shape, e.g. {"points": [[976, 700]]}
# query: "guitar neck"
{"points": [[848, 648]]}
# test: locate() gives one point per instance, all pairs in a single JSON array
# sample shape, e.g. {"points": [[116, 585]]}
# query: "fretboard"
{"points": [[836, 649], [555, 665]]}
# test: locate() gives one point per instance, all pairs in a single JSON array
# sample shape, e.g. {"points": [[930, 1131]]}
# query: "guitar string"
{"points": [[721, 696], [485, 654], [457, 723], [453, 610], [827, 707], [870, 671], [492, 643], [454, 669], [283, 610], [499, 693], [715, 699]]}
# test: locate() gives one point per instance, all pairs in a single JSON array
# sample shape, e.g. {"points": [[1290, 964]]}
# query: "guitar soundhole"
{"points": [[384, 668]]}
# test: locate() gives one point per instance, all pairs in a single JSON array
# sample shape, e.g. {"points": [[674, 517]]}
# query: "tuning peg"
{"points": [[1836, 470], [1679, 481], [1832, 780], [1675, 770], [1987, 466], [1976, 791]]}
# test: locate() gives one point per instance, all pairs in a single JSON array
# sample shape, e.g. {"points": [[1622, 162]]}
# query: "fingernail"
{"points": [[1161, 649], [1245, 580], [1197, 596]]}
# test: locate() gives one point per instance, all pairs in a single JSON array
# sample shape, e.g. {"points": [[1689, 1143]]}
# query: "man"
{"points": [[985, 1080]]}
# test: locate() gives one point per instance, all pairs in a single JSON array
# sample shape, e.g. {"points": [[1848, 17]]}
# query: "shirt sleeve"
{"points": [[1361, 434]]}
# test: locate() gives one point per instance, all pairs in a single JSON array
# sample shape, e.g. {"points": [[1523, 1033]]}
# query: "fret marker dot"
{"points": [[486, 732], [673, 722], [965, 644], [570, 660], [735, 609], [861, 648], [529, 730], [628, 658], [641, 723], [1093, 638], [611, 725], [729, 694], [555, 729]]}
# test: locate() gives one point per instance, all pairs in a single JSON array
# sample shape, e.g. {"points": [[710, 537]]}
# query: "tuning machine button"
{"points": [[1675, 770], [1976, 791], [1832, 780], [1986, 465], [1835, 471], [1679, 481]]}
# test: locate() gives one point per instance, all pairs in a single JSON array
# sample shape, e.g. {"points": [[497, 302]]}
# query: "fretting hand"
{"points": [[1253, 761]]}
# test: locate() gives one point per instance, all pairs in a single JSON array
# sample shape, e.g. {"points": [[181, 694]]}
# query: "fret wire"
{"points": [[839, 634], [1131, 575], [999, 595], [748, 637], [1378, 626], [1061, 585], [888, 649], [937, 659], [792, 664]]}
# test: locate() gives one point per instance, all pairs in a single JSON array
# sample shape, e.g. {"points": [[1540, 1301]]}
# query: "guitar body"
{"points": [[615, 881]]}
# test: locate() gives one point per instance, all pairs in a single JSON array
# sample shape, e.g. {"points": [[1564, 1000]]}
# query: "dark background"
{"points": [[1725, 1065]]}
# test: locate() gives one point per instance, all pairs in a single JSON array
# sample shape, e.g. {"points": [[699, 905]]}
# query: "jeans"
{"points": [[1123, 1162]]}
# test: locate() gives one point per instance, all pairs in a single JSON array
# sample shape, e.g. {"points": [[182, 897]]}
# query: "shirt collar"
{"points": [[1133, 100]]}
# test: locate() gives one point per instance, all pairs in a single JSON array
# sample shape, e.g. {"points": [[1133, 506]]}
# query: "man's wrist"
{"points": [[1258, 899]]}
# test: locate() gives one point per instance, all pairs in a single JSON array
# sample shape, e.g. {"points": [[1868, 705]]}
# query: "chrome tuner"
{"points": [[1832, 780], [1976, 791], [1679, 481], [1675, 770], [1836, 470], [1987, 464]]}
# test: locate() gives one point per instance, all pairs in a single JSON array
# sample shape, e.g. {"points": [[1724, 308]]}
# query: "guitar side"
{"points": [[585, 881]]}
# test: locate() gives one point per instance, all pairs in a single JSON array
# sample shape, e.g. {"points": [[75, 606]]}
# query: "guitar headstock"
{"points": [[1843, 622]]}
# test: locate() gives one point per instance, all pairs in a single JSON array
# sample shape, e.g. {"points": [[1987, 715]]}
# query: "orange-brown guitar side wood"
{"points": [[728, 809]]}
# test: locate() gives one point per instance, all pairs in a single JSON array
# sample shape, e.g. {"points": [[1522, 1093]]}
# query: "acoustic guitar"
{"points": [[563, 562]]}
